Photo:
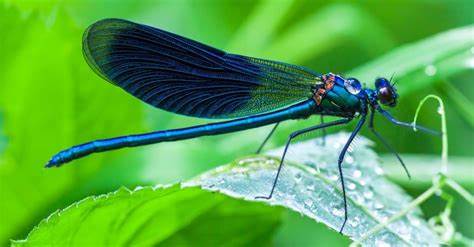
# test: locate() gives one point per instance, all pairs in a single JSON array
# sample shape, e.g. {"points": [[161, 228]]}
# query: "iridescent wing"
{"points": [[186, 77]]}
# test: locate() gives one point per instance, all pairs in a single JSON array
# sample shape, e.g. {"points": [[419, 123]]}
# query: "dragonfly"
{"points": [[183, 76]]}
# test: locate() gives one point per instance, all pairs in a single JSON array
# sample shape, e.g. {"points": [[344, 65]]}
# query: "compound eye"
{"points": [[386, 96], [382, 82], [353, 86]]}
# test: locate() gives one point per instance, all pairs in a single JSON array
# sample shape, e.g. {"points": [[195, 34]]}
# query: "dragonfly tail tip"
{"points": [[50, 164], [55, 161]]}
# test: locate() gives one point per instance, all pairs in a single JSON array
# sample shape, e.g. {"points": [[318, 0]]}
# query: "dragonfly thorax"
{"points": [[346, 94], [339, 96]]}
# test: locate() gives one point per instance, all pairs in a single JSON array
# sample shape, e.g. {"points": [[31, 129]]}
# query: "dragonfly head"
{"points": [[386, 92]]}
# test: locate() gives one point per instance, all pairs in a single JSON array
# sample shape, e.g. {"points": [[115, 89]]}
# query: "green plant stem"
{"points": [[444, 132], [460, 190], [419, 200], [442, 223]]}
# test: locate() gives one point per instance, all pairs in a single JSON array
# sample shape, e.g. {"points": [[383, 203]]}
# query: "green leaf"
{"points": [[424, 62], [157, 216], [311, 37], [308, 185], [50, 100], [260, 26]]}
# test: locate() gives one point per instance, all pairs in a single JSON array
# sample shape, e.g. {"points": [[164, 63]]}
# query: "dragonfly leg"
{"points": [[339, 164], [323, 131], [267, 138], [293, 135], [385, 143], [404, 124]]}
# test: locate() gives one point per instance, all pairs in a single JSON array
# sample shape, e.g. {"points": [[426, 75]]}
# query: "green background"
{"points": [[50, 99]]}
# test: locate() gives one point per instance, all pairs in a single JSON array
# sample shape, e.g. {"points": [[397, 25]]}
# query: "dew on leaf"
{"points": [[351, 186], [357, 174], [378, 205], [378, 170], [381, 243], [349, 159], [384, 219], [334, 177], [355, 221], [413, 220], [317, 194], [403, 231], [430, 70], [298, 177], [308, 203], [338, 212], [310, 187], [368, 194], [358, 198]]}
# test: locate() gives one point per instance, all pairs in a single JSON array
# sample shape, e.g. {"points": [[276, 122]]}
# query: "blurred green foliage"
{"points": [[50, 99]]}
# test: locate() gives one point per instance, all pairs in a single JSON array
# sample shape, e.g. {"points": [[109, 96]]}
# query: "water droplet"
{"points": [[308, 203], [430, 70], [240, 169], [359, 198], [310, 187], [413, 220], [440, 110], [354, 222], [334, 177], [470, 62], [220, 181], [378, 170], [278, 194], [351, 186], [378, 205], [322, 164], [220, 169], [357, 174], [348, 159], [291, 195], [405, 233], [138, 188], [298, 177], [338, 212], [368, 194], [381, 243], [362, 182]]}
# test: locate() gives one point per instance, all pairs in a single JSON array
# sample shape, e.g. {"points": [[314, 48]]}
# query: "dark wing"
{"points": [[186, 77]]}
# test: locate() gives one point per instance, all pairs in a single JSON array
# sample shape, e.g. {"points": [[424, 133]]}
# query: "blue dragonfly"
{"points": [[186, 77]]}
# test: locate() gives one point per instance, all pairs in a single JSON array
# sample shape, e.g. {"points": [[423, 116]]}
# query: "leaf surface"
{"points": [[188, 212]]}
